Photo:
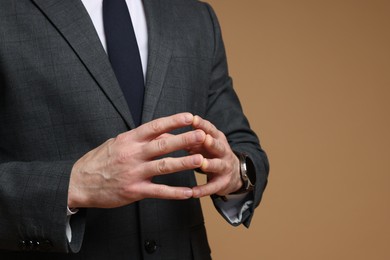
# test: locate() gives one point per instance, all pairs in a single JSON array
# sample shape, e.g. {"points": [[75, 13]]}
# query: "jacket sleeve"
{"points": [[33, 208], [225, 112]]}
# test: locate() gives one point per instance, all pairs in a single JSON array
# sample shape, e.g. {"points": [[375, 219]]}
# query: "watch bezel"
{"points": [[247, 173], [250, 171]]}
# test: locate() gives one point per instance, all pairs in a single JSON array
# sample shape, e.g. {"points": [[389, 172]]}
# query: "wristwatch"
{"points": [[247, 172]]}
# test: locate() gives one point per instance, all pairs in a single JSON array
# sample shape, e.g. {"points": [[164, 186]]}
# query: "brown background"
{"points": [[314, 80]]}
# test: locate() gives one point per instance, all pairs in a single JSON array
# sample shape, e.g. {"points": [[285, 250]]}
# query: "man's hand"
{"points": [[220, 164], [120, 171]]}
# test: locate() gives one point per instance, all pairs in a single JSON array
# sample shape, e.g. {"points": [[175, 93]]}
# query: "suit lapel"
{"points": [[158, 60], [73, 22], [160, 51]]}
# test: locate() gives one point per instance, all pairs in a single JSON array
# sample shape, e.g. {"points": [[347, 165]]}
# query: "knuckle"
{"points": [[212, 165], [121, 137], [184, 162], [160, 191], [162, 145], [214, 144], [123, 157], [126, 190], [185, 140], [199, 191], [132, 192], [219, 145], [213, 131], [218, 132], [223, 166], [156, 126], [162, 166]]}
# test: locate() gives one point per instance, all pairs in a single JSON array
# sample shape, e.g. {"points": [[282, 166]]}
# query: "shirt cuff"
{"points": [[69, 214], [233, 208]]}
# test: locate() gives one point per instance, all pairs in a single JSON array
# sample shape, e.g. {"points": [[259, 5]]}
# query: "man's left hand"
{"points": [[220, 163]]}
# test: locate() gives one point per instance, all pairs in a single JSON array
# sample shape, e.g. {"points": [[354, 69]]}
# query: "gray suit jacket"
{"points": [[59, 98]]}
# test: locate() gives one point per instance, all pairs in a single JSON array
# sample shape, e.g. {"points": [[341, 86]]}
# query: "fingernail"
{"points": [[195, 120], [188, 118], [204, 164], [188, 193], [197, 160], [199, 135]]}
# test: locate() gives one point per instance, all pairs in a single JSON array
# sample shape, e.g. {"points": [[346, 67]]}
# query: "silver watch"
{"points": [[247, 172]]}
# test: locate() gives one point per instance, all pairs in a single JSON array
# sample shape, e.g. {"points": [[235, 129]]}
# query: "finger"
{"points": [[170, 165], [212, 187], [165, 135], [213, 166], [208, 127], [214, 146], [159, 126], [160, 191], [171, 143]]}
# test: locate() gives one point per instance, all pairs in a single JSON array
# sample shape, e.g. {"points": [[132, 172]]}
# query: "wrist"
{"points": [[75, 196]]}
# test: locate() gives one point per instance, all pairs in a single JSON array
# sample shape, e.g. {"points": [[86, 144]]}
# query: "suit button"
{"points": [[22, 245], [30, 245], [150, 246]]}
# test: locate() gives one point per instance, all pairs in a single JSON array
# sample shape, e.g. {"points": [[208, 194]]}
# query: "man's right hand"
{"points": [[120, 171]]}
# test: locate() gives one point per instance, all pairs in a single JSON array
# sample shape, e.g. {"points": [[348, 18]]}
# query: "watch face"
{"points": [[250, 170]]}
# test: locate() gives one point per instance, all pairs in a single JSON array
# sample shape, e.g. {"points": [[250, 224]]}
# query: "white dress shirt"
{"points": [[137, 14]]}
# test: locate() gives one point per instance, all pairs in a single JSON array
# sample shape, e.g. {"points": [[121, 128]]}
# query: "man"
{"points": [[70, 140]]}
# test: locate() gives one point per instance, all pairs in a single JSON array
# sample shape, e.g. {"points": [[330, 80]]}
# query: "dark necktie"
{"points": [[124, 55]]}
